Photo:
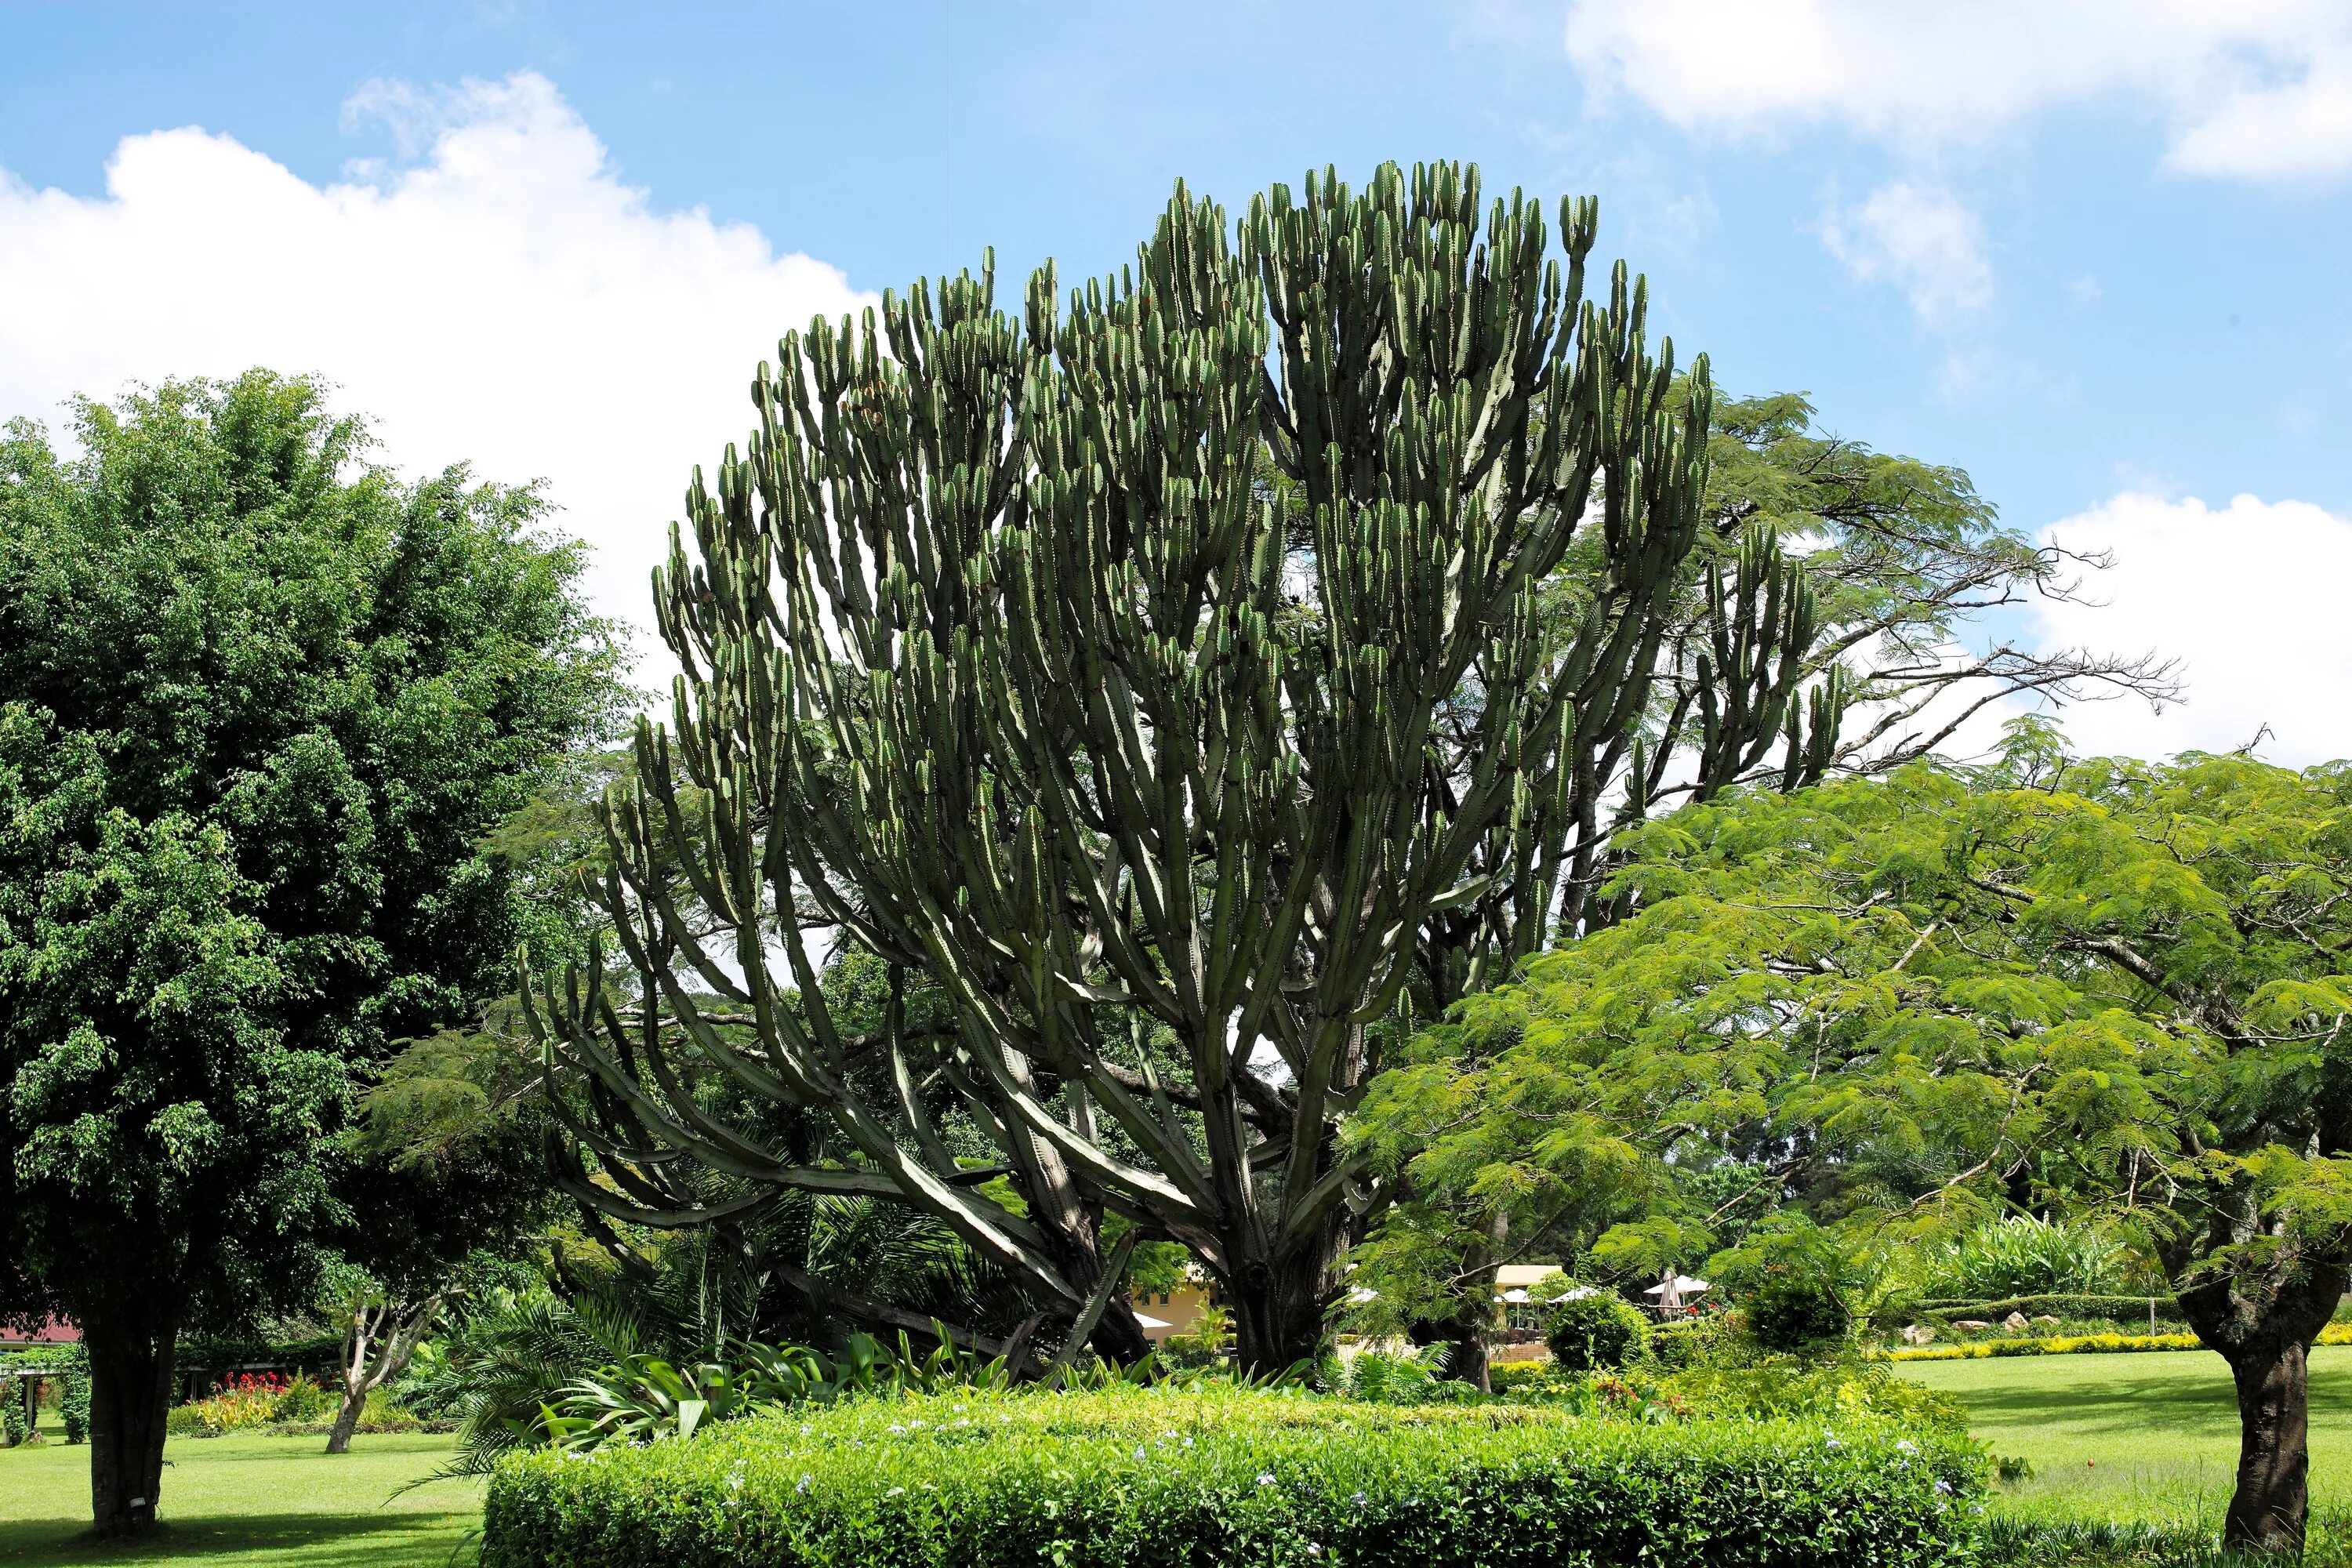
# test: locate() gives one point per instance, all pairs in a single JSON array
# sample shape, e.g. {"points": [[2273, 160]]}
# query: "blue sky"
{"points": [[2098, 259]]}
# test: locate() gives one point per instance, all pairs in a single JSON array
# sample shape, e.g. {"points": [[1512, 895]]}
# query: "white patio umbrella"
{"points": [[1671, 1290]]}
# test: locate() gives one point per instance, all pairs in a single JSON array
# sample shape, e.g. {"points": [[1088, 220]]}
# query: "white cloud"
{"points": [[504, 299], [2253, 89], [1921, 240], [2249, 597]]}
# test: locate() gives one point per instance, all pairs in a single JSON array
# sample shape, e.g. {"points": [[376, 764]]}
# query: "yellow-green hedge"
{"points": [[2084, 1344]]}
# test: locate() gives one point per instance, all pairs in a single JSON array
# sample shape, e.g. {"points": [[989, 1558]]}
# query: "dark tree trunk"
{"points": [[129, 1394], [1279, 1311], [2263, 1327], [2268, 1509]]}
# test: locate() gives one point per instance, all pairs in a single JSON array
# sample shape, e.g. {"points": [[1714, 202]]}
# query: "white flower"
{"points": [[1906, 1447], [1266, 1478], [896, 1427], [1314, 1549], [1359, 1499], [805, 1483], [1832, 1442], [1140, 1454]]}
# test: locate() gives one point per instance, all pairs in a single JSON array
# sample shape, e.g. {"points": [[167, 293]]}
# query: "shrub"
{"points": [[1594, 1333], [236, 1403], [1794, 1311], [1811, 1386], [1140, 1476], [73, 1395], [2086, 1344], [13, 1426], [1376, 1378], [2021, 1255], [304, 1400], [1687, 1341]]}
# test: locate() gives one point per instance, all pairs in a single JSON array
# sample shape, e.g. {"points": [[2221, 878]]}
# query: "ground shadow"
{"points": [[2111, 1403], [323, 1539]]}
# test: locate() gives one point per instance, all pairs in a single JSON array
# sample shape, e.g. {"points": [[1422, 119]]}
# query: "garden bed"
{"points": [[1143, 1478]]}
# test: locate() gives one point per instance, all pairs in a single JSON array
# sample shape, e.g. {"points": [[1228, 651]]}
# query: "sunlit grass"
{"points": [[249, 1501], [2144, 1441]]}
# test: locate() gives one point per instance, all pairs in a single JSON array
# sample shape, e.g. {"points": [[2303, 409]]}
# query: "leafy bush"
{"points": [[13, 1426], [2021, 1255], [73, 1395], [1594, 1333], [645, 1397], [305, 1400], [1686, 1341], [1815, 1386], [1795, 1312], [1152, 1477], [1378, 1379]]}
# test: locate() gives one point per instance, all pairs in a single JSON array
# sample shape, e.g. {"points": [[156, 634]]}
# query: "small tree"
{"points": [[2107, 992], [380, 1333]]}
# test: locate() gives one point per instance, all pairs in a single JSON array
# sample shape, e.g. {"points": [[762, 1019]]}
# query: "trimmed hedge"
{"points": [[1152, 1479], [2113, 1309], [2084, 1344]]}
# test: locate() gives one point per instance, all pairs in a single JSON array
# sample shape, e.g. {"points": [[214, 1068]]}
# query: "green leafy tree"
{"points": [[2095, 992], [259, 704]]}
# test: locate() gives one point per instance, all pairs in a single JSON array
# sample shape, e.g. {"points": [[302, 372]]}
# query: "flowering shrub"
{"points": [[1150, 1477], [238, 1402]]}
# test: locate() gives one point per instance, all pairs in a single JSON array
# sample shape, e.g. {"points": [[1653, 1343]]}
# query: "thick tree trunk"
{"points": [[1279, 1311], [2273, 1499], [347, 1419], [129, 1394], [2263, 1326]]}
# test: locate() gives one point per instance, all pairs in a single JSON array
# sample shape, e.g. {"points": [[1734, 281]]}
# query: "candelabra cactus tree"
{"points": [[1170, 678]]}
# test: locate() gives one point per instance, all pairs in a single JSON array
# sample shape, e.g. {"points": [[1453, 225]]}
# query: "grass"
{"points": [[2150, 1439], [249, 1501]]}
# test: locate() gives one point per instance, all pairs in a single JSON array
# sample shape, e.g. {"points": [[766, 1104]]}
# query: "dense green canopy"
{"points": [[260, 705], [2091, 989]]}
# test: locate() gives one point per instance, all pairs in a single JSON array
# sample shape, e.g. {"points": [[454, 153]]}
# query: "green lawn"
{"points": [[249, 1502], [2145, 1436]]}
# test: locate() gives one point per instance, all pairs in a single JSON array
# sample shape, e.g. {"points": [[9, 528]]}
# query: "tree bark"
{"points": [[2263, 1326], [129, 1394], [347, 1419], [2274, 1499], [1278, 1309]]}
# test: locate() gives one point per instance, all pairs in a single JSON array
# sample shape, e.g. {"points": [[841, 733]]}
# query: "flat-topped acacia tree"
{"points": [[1165, 677]]}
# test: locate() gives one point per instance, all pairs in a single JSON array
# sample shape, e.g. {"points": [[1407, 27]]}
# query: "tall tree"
{"points": [[1187, 682], [2093, 990], [259, 702]]}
